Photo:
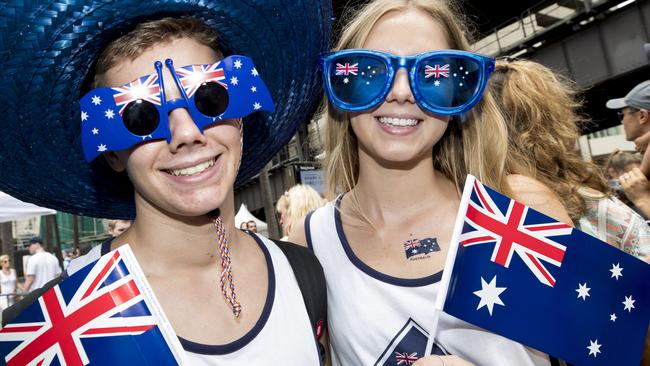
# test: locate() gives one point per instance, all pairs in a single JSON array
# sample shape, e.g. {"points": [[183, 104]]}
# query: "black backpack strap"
{"points": [[311, 281], [14, 310]]}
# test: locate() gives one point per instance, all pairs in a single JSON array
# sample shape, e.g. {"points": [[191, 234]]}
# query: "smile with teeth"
{"points": [[398, 122], [192, 170]]}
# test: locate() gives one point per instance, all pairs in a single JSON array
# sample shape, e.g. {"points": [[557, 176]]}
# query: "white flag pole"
{"points": [[451, 258]]}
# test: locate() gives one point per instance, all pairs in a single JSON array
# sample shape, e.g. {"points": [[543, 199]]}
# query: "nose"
{"points": [[400, 91], [184, 132]]}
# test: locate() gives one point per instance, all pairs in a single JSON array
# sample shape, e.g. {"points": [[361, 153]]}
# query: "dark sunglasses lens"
{"points": [[141, 117], [357, 80], [448, 81], [211, 99]]}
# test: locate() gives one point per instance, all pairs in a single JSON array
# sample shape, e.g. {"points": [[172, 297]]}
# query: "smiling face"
{"points": [[398, 130], [194, 173]]}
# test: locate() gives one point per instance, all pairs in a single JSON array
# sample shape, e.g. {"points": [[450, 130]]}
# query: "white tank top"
{"points": [[8, 282], [282, 335], [376, 319]]}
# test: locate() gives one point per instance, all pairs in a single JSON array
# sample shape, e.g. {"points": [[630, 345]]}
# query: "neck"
{"points": [[163, 241], [386, 193]]}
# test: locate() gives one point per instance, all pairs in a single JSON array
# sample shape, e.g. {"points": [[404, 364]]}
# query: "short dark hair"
{"points": [[35, 240]]}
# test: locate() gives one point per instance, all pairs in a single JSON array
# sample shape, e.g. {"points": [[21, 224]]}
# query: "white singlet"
{"points": [[376, 319]]}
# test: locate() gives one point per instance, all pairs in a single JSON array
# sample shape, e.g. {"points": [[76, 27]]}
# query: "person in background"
{"points": [[282, 206], [541, 111], [627, 181], [400, 141], [67, 258], [243, 226], [117, 227], [7, 283], [634, 111], [42, 266], [301, 199], [620, 162], [251, 226]]}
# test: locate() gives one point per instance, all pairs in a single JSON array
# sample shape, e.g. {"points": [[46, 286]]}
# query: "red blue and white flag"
{"points": [[521, 274], [104, 314]]}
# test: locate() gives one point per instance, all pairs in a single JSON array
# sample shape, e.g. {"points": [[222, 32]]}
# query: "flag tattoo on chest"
{"points": [[420, 248]]}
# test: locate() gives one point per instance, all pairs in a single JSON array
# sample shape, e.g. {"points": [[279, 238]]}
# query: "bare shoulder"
{"points": [[298, 235], [535, 194]]}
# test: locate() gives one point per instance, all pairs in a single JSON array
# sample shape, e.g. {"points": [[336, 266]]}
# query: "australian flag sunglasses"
{"points": [[114, 119], [445, 82]]}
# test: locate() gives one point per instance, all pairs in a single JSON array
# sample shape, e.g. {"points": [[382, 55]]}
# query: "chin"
{"points": [[191, 203]]}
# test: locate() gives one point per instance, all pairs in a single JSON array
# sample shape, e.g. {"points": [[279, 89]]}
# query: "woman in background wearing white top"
{"points": [[7, 283], [405, 125]]}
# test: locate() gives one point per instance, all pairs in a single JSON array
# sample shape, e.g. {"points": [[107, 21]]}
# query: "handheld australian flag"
{"points": [[103, 314], [523, 275]]}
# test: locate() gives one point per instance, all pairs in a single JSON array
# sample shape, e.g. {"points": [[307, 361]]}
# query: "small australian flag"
{"points": [[543, 283], [413, 247]]}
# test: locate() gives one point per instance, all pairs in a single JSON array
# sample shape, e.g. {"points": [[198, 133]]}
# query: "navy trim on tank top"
{"points": [[308, 231], [222, 349], [404, 282], [238, 344]]}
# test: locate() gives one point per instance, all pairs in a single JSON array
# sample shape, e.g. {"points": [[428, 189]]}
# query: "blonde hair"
{"points": [[283, 203], [541, 109], [3, 257], [146, 35], [302, 199], [475, 146]]}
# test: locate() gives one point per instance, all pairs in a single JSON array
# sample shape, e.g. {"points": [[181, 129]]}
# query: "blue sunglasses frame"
{"points": [[411, 63]]}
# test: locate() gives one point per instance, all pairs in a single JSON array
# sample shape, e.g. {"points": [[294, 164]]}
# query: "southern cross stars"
{"points": [[616, 270], [583, 291], [234, 81], [237, 64], [96, 100], [594, 347], [629, 303], [489, 294], [109, 114], [84, 116]]}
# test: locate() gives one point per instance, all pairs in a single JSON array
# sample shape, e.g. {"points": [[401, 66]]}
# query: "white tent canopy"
{"points": [[13, 209], [243, 215]]}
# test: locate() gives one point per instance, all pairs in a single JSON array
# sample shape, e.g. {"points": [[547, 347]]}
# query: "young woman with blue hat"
{"points": [[407, 118], [155, 111]]}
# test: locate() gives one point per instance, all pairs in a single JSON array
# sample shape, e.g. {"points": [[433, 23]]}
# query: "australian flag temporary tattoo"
{"points": [[413, 247]]}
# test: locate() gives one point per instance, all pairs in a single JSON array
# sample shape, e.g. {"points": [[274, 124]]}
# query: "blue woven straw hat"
{"points": [[48, 47]]}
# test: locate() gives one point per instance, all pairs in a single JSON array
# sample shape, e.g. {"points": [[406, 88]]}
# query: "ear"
{"points": [[644, 116], [115, 162]]}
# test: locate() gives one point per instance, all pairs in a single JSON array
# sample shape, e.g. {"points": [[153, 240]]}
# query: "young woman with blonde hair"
{"points": [[542, 113], [407, 119], [7, 282]]}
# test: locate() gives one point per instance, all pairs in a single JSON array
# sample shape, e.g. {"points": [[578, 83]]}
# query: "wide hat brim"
{"points": [[47, 49]]}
